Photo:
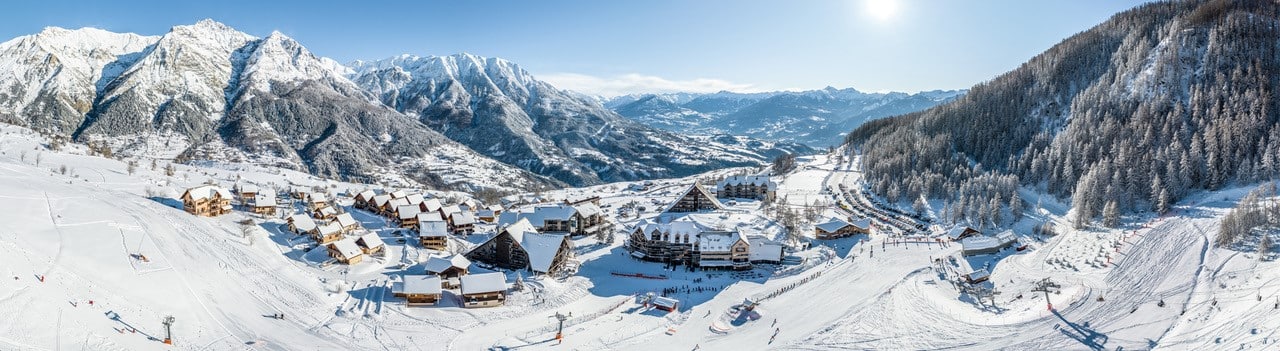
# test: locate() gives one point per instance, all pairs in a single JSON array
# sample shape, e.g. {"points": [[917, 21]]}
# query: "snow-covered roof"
{"points": [[484, 213], [451, 209], [538, 215], [330, 228], [398, 194], [495, 208], [692, 188], [983, 242], [436, 228], [371, 240], [540, 248], [864, 223], [246, 188], [483, 283], [429, 216], [408, 211], [683, 226], [718, 241], [832, 225], [345, 219], [752, 180], [264, 200], [431, 205], [462, 218], [381, 200], [437, 264], [957, 231], [765, 250], [665, 302], [302, 222], [979, 274], [367, 195], [327, 211], [587, 209], [415, 199], [421, 284], [397, 202], [316, 197], [346, 247], [207, 191]]}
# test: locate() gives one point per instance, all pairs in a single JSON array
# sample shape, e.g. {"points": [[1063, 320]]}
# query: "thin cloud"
{"points": [[640, 84]]}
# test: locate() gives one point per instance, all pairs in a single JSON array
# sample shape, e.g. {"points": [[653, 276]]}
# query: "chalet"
{"points": [[347, 222], [246, 192], [520, 246], [984, 245], [264, 204], [582, 219], [450, 269], [448, 211], [665, 242], [694, 199], [370, 243], [299, 192], [462, 222], [206, 200], [394, 205], [364, 199], [380, 204], [766, 251], [836, 228], [977, 276], [399, 194], [301, 224], [327, 233], [483, 290], [316, 200], [469, 205], [665, 303], [434, 234], [415, 199], [431, 206], [960, 232], [722, 250], [747, 187], [486, 215], [345, 251], [324, 212], [408, 215], [418, 290]]}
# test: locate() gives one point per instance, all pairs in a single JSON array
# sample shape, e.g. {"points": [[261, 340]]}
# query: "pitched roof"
{"points": [[397, 202], [451, 209], [246, 188], [316, 197], [421, 284], [719, 241], [206, 192], [437, 264], [752, 180], [415, 199], [431, 205], [429, 216], [483, 283], [683, 226], [264, 200], [302, 222], [692, 188], [408, 211], [864, 223], [765, 250], [398, 194], [540, 248], [381, 200], [367, 195], [330, 228], [463, 218], [587, 209], [832, 225], [436, 228], [345, 219], [346, 247], [370, 240]]}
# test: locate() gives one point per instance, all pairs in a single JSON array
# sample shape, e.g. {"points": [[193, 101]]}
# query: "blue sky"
{"points": [[613, 47]]}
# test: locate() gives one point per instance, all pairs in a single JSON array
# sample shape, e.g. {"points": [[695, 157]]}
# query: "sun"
{"points": [[881, 9]]}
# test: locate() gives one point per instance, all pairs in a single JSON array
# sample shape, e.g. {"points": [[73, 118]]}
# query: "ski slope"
{"points": [[78, 232]]}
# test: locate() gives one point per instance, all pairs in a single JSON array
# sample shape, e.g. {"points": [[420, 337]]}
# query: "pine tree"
{"points": [[1015, 206], [1163, 202], [1111, 214]]}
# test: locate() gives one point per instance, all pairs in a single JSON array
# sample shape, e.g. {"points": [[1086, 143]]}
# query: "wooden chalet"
{"points": [[520, 246], [206, 200], [418, 290], [345, 251], [747, 187], [665, 242], [449, 269], [347, 222], [317, 201], [364, 199], [302, 224], [694, 199], [381, 204], [835, 228], [370, 243], [263, 204], [247, 192], [399, 194], [576, 220], [462, 223], [959, 232], [434, 234], [324, 212], [407, 215], [665, 303], [327, 233], [722, 250], [483, 290]]}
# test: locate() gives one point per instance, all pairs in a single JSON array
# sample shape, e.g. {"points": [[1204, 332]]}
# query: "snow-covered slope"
{"points": [[815, 117], [498, 108]]}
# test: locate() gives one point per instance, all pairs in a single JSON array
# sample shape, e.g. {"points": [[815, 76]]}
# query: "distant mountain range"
{"points": [[814, 117], [207, 91]]}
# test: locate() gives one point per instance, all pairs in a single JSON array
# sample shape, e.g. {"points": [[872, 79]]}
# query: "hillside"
{"points": [[1131, 115], [817, 118]]}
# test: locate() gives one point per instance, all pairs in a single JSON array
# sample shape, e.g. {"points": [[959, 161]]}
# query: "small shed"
{"points": [[665, 303]]}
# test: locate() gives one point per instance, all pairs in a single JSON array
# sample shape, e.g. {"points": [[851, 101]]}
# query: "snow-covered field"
{"points": [[78, 233]]}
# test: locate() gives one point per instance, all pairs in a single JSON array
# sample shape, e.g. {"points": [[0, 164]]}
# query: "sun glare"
{"points": [[882, 9]]}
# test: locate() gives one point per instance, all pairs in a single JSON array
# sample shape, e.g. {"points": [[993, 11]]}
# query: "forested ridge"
{"points": [[1131, 115]]}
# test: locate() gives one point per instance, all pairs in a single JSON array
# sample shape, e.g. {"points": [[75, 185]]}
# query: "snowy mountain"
{"points": [[815, 117], [1131, 115], [499, 109], [208, 91]]}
